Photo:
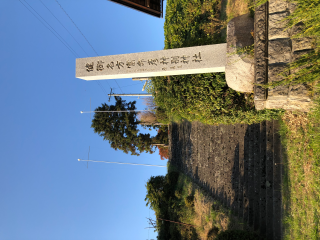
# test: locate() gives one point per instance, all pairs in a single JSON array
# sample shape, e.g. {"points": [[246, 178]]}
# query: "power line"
{"points": [[58, 36], [65, 28], [118, 86], [69, 48], [83, 36], [128, 85], [52, 28], [76, 27], [102, 88]]}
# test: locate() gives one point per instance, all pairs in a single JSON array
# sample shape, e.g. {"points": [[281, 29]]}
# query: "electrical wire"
{"points": [[85, 39], [51, 28], [128, 85], [66, 45], [76, 27], [64, 28]]}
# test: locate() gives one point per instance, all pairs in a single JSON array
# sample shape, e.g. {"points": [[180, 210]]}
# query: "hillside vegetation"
{"points": [[196, 215], [201, 97]]}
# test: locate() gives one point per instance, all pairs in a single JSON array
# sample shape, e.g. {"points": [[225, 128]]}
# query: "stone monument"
{"points": [[240, 66], [179, 61]]}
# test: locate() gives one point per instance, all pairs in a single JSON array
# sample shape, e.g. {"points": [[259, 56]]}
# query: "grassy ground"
{"points": [[301, 189], [301, 135], [207, 215]]}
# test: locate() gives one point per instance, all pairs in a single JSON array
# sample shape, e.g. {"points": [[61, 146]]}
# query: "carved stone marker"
{"points": [[178, 61]]}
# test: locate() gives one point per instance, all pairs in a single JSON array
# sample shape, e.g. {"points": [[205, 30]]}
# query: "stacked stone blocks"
{"points": [[281, 49]]}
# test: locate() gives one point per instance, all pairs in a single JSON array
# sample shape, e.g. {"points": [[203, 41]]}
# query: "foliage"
{"points": [[163, 152], [200, 97], [189, 201], [175, 197], [120, 128], [305, 69], [236, 235], [162, 116], [206, 98], [192, 23], [162, 135], [307, 17]]}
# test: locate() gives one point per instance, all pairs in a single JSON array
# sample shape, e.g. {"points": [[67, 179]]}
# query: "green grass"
{"points": [[301, 188], [207, 215], [301, 134]]}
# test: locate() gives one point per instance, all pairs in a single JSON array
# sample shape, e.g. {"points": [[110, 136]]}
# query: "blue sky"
{"points": [[45, 192]]}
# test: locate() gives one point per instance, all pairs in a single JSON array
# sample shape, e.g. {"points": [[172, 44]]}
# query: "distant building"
{"points": [[152, 7]]}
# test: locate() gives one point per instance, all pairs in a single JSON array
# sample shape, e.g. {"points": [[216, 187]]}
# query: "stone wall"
{"points": [[274, 50]]}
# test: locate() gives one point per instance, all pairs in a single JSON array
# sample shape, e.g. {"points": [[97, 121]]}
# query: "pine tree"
{"points": [[120, 128]]}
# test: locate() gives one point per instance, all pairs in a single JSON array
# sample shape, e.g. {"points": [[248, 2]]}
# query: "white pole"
{"points": [[148, 165], [115, 111], [131, 95]]}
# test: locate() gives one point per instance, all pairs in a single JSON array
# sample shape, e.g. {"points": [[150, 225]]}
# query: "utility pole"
{"points": [[141, 164], [124, 111]]}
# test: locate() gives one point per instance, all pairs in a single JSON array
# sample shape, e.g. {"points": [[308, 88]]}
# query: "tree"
{"points": [[155, 193], [163, 152], [120, 128]]}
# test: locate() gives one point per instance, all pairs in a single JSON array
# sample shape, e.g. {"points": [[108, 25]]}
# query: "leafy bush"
{"points": [[206, 98], [189, 201], [213, 233], [236, 235], [192, 23], [162, 116]]}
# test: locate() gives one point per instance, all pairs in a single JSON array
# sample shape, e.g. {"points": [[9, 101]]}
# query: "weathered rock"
{"points": [[299, 91], [275, 75], [278, 6], [240, 66], [297, 28], [277, 26], [302, 43], [279, 51], [292, 6]]}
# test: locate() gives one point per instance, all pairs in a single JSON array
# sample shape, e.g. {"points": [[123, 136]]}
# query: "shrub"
{"points": [[206, 98], [236, 235], [212, 234], [189, 201]]}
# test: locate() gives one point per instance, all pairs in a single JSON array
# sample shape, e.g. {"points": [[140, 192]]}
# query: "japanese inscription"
{"points": [[138, 63], [100, 66], [110, 65], [197, 58], [89, 67], [178, 61]]}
